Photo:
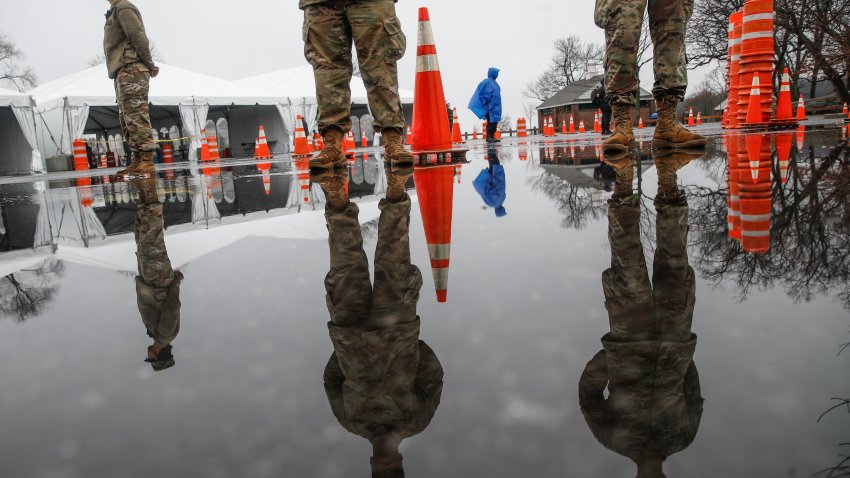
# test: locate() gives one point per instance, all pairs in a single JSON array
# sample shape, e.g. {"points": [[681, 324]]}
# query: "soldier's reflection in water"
{"points": [[654, 406], [157, 285], [382, 382]]}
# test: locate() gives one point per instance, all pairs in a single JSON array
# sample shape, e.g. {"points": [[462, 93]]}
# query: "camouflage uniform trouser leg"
{"points": [[397, 281], [622, 21], [626, 286], [151, 255], [673, 281], [328, 32], [349, 290], [131, 91]]}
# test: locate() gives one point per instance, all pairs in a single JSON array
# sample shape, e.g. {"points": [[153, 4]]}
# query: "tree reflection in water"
{"points": [[27, 293]]}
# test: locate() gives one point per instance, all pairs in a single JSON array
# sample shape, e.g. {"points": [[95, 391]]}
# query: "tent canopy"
{"points": [[13, 98], [299, 83], [173, 86]]}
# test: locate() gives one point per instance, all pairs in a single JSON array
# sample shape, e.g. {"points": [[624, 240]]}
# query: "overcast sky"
{"points": [[238, 39]]}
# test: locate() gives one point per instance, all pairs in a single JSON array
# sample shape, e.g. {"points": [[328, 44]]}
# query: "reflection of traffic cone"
{"points": [[699, 118], [691, 117], [640, 123], [801, 138], [262, 150], [435, 192], [783, 105], [523, 152], [754, 108], [572, 125], [81, 157], [456, 136], [458, 173], [302, 171], [266, 173], [581, 127], [733, 195], [301, 147], [783, 154], [756, 196], [801, 109], [431, 131]]}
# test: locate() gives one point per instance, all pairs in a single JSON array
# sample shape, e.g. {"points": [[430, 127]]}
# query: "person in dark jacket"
{"points": [[490, 183], [382, 382], [486, 103], [604, 106], [157, 285], [654, 403]]}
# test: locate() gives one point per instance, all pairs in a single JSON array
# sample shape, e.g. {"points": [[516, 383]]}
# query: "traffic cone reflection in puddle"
{"points": [[435, 192], [783, 154]]}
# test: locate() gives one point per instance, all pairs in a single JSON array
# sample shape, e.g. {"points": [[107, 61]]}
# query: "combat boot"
{"points": [[624, 167], [332, 154], [396, 180], [141, 165], [333, 182], [667, 164], [394, 152], [623, 135], [669, 133], [131, 168]]}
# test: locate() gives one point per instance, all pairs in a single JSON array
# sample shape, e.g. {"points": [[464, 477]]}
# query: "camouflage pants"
{"points": [[638, 310], [328, 31], [350, 298], [151, 255], [622, 21], [131, 92]]}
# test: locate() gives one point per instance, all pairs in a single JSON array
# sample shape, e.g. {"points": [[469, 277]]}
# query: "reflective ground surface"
{"points": [[525, 311]]}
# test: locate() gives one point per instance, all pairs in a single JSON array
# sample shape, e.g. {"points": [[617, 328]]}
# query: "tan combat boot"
{"points": [[333, 182], [396, 180], [394, 152], [624, 167], [131, 168], [669, 133], [623, 135], [332, 155]]}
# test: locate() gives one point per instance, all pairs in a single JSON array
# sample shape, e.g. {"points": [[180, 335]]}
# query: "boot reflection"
{"points": [[382, 382], [654, 405], [157, 285]]}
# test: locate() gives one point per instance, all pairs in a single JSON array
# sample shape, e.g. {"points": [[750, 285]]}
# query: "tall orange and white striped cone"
{"points": [[691, 117], [801, 109], [783, 154], [81, 157], [431, 125], [364, 143], [597, 126], [783, 105], [581, 127], [572, 125], [563, 126], [301, 147], [756, 195], [435, 192], [310, 146], [457, 138], [801, 138], [212, 143], [699, 118], [318, 142], [640, 123], [754, 115], [205, 147], [521, 128], [302, 172], [262, 150]]}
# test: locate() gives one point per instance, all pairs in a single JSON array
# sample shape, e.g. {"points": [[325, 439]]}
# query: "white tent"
{"points": [[65, 103], [15, 140], [298, 88]]}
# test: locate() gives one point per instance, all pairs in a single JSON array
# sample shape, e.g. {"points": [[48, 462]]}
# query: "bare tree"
{"points": [[569, 64], [530, 110], [25, 294], [22, 77], [505, 124]]}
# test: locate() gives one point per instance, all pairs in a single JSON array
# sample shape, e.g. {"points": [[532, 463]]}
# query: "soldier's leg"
{"points": [[668, 21], [672, 277], [397, 281], [349, 292], [380, 44], [622, 21], [327, 47], [626, 286], [152, 257], [134, 83]]}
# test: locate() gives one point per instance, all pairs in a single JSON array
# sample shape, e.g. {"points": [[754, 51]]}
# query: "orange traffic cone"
{"points": [[167, 153], [563, 126], [474, 134], [431, 131], [581, 127], [435, 192], [597, 126], [754, 108], [265, 171], [212, 144], [318, 142], [783, 154], [301, 147], [783, 105], [521, 128], [640, 123], [302, 172], [497, 134], [691, 117], [572, 125], [845, 112], [456, 136], [262, 149], [363, 141], [699, 118], [409, 134], [205, 147], [801, 109]]}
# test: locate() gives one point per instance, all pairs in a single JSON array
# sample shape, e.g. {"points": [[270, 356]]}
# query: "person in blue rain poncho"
{"points": [[490, 184], [486, 103]]}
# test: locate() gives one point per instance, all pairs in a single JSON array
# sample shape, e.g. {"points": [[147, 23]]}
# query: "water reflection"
{"points": [[382, 382], [653, 404], [157, 284], [490, 183]]}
